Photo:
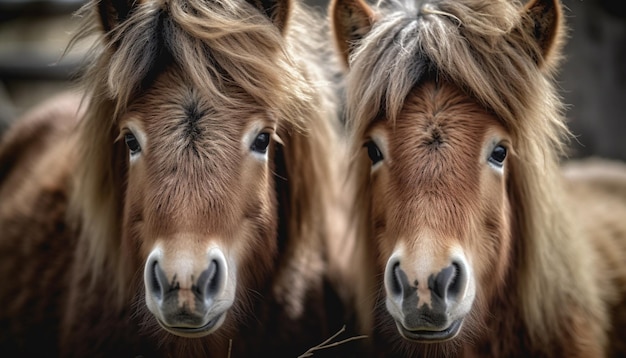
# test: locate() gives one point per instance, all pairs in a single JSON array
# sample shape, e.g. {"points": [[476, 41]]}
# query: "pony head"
{"points": [[450, 106], [191, 106]]}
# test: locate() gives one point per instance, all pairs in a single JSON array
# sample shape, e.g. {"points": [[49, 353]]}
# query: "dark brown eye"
{"points": [[498, 155], [132, 143], [261, 142], [373, 152]]}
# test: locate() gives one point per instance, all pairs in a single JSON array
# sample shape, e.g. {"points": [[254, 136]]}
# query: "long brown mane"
{"points": [[487, 50]]}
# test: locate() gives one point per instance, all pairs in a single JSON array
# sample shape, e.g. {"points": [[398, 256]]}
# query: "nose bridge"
{"points": [[205, 204], [191, 225], [425, 256], [183, 258]]}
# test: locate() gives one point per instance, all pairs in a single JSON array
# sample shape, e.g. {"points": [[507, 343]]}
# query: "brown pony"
{"points": [[482, 246], [178, 206]]}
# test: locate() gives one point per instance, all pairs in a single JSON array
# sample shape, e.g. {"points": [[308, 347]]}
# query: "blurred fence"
{"points": [[33, 36]]}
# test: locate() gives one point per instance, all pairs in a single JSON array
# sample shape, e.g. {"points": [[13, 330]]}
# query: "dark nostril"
{"points": [[448, 282], [156, 286], [214, 281], [396, 280], [456, 285], [209, 281], [442, 281]]}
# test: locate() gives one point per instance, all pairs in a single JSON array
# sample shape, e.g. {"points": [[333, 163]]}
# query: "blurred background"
{"points": [[34, 34]]}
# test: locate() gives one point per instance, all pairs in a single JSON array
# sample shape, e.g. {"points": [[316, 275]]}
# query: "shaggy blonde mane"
{"points": [[215, 45], [487, 50]]}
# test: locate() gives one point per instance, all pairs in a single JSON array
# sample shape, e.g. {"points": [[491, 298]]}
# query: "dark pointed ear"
{"points": [[114, 12], [350, 21], [278, 11], [545, 24]]}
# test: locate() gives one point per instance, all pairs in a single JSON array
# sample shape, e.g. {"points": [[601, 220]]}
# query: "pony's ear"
{"points": [[545, 24], [350, 21], [113, 12], [277, 10]]}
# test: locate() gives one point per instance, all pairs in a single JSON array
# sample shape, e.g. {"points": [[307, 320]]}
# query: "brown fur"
{"points": [[79, 216], [436, 87]]}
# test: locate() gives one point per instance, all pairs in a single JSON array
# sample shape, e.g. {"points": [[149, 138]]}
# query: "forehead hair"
{"points": [[216, 45], [477, 45]]}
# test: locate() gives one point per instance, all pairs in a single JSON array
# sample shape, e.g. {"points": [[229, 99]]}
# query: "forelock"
{"points": [[475, 44]]}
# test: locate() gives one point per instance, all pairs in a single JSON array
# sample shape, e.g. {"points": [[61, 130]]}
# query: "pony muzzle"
{"points": [[429, 307], [187, 298]]}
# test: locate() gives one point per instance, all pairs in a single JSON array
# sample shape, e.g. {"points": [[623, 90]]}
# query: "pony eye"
{"points": [[498, 155], [261, 142], [132, 143], [373, 152]]}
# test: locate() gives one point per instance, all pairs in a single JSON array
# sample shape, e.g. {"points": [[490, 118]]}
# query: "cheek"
{"points": [[381, 204], [259, 204], [255, 177], [493, 244], [133, 235], [256, 242], [261, 222], [258, 230]]}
